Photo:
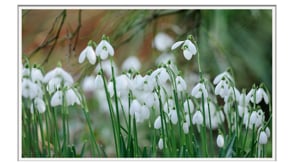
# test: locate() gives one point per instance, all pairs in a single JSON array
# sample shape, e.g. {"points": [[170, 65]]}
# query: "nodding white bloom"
{"points": [[56, 99], [59, 73], [169, 105], [54, 84], [225, 75], [26, 71], [104, 49], [198, 90], [36, 75], [243, 100], [160, 144], [111, 88], [222, 89], [217, 117], [233, 93], [161, 75], [29, 89], [242, 110], [39, 105], [158, 123], [72, 97], [185, 127], [220, 141], [262, 138], [131, 63], [173, 116], [256, 118], [197, 118], [259, 94], [163, 41], [99, 82], [180, 84], [88, 84], [189, 49], [88, 53], [135, 107], [188, 106]]}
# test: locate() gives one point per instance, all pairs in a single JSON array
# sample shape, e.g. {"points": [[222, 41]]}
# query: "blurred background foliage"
{"points": [[240, 39]]}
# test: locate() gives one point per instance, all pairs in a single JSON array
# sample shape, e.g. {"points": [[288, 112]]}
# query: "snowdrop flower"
{"points": [[104, 49], [262, 138], [197, 118], [222, 89], [72, 97], [267, 131], [233, 93], [180, 84], [225, 75], [88, 84], [106, 66], [54, 84], [39, 105], [220, 141], [161, 75], [134, 107], [26, 71], [173, 116], [160, 144], [56, 99], [132, 62], [165, 58], [99, 82], [29, 89], [60, 73], [189, 49], [158, 123], [198, 90], [259, 94], [188, 106], [88, 53], [36, 75], [256, 118], [163, 41], [185, 127]]}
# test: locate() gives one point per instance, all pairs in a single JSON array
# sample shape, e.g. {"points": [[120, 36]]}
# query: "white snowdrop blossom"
{"points": [[131, 63], [267, 131], [259, 95], [188, 106], [58, 72], [163, 41], [88, 84], [197, 118], [225, 75], [134, 107], [161, 75], [160, 143], [222, 89], [185, 127], [56, 99], [72, 97], [165, 58], [198, 90], [29, 89], [88, 53], [106, 66], [39, 105], [180, 84], [189, 49], [262, 138], [256, 118], [173, 116], [99, 82], [220, 141], [36, 75], [158, 123], [104, 49]]}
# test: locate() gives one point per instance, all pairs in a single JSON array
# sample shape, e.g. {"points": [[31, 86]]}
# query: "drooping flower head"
{"points": [[104, 49], [189, 49], [88, 53]]}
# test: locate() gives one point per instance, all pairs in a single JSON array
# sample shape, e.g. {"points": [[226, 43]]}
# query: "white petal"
{"points": [[109, 48], [196, 91], [218, 78], [104, 54], [253, 118], [185, 127], [157, 123], [99, 82], [259, 95], [177, 44], [262, 138], [56, 99], [191, 47], [173, 117], [188, 106], [198, 118], [99, 48], [40, 105], [71, 97], [220, 141], [267, 131], [160, 144], [82, 55], [135, 107], [187, 54], [91, 55], [265, 97]]}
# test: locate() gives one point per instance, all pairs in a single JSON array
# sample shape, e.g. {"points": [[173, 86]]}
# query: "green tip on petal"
{"points": [[59, 64]]}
